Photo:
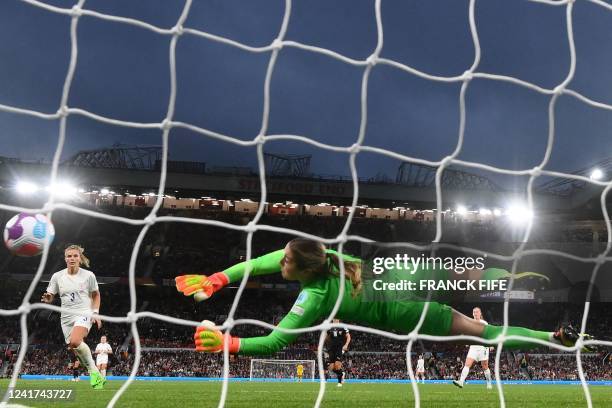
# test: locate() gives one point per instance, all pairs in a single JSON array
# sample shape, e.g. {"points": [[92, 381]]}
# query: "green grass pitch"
{"points": [[168, 394]]}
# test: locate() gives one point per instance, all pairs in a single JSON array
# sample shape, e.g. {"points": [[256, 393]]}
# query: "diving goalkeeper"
{"points": [[317, 269]]}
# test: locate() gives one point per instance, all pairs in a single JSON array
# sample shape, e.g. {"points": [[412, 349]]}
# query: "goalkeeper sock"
{"points": [[464, 374], [83, 352], [487, 374], [491, 332], [103, 372]]}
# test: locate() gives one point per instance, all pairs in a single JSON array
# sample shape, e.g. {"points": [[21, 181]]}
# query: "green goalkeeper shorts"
{"points": [[437, 322]]}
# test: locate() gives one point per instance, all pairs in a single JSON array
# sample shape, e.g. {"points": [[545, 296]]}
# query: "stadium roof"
{"points": [[458, 187]]}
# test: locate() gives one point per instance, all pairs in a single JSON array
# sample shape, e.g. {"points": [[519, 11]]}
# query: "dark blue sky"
{"points": [[123, 73]]}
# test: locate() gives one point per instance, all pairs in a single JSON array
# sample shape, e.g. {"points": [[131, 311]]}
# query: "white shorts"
{"points": [[478, 353], [69, 322], [101, 359], [420, 371]]}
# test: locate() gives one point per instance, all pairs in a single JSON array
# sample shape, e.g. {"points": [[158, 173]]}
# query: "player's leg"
{"points": [[442, 320], [75, 370], [339, 372], [83, 352], [465, 371], [485, 368], [102, 368], [461, 324], [80, 347]]}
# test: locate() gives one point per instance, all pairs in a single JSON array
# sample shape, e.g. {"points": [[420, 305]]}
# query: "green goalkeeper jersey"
{"points": [[318, 297]]}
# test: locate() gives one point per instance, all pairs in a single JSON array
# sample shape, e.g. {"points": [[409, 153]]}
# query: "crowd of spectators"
{"points": [[167, 348], [358, 364]]}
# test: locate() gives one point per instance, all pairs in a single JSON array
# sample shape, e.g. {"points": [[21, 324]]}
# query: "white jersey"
{"points": [[74, 290], [420, 365], [104, 348]]}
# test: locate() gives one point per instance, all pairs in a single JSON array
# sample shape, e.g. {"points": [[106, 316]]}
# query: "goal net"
{"points": [[174, 34], [262, 369]]}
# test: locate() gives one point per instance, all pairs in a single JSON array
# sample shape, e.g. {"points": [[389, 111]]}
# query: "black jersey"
{"points": [[337, 337]]}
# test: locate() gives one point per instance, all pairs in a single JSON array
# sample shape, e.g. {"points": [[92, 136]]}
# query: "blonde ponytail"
{"points": [[351, 269]]}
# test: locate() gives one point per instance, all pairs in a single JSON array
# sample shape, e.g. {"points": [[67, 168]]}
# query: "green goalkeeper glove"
{"points": [[201, 286], [209, 339]]}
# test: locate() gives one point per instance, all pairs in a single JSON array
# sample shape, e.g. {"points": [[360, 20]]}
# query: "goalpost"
{"points": [[262, 369], [167, 123]]}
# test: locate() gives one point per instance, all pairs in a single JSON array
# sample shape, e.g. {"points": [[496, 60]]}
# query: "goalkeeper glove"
{"points": [[201, 286], [209, 339]]}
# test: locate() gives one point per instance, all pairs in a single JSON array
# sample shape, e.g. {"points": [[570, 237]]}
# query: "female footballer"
{"points": [[317, 270]]}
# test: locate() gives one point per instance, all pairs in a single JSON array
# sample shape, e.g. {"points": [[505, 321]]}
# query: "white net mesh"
{"points": [[281, 369], [273, 49]]}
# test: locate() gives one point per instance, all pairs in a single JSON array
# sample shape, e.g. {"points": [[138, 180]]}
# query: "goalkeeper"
{"points": [[317, 269]]}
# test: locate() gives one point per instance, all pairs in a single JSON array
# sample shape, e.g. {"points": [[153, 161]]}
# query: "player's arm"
{"points": [[96, 299], [347, 342], [344, 257], [203, 286], [306, 310], [52, 290], [263, 265]]}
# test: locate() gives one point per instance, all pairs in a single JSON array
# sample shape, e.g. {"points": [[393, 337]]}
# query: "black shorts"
{"points": [[334, 356]]}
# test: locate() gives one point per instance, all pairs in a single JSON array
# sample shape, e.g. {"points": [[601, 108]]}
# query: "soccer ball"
{"points": [[25, 234]]}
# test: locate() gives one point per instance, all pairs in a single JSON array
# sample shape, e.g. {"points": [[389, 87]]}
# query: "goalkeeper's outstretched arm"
{"points": [[306, 310], [263, 265], [202, 287]]}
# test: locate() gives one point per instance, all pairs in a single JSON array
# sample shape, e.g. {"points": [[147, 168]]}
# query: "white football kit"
{"points": [[74, 291], [102, 350], [420, 366], [479, 352]]}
